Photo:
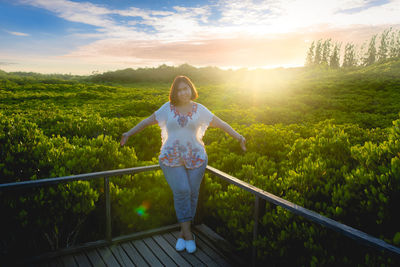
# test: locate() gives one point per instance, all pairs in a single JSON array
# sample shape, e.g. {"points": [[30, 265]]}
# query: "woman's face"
{"points": [[184, 93]]}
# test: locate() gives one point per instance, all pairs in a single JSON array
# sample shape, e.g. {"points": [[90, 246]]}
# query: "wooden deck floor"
{"points": [[156, 250]]}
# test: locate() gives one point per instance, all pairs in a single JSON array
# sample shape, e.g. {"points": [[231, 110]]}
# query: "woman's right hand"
{"points": [[124, 138]]}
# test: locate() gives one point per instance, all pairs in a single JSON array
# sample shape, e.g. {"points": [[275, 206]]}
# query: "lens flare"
{"points": [[142, 209]]}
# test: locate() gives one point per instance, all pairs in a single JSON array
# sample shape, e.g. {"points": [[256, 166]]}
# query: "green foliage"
{"points": [[333, 170], [141, 202], [326, 139], [162, 73], [46, 218]]}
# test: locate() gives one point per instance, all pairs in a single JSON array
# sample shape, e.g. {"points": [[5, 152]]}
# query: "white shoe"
{"points": [[180, 244], [191, 245]]}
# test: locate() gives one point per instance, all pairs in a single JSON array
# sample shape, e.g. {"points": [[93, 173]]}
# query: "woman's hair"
{"points": [[173, 92]]}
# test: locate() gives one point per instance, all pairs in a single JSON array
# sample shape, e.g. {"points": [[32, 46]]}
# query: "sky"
{"points": [[95, 36]]}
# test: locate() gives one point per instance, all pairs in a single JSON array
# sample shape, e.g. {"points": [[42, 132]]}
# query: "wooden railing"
{"points": [[259, 207], [261, 197], [87, 176]]}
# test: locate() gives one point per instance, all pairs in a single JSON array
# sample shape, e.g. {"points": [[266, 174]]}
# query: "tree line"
{"points": [[379, 48]]}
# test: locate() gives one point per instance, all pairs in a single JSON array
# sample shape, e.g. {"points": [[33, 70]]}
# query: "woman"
{"points": [[183, 158]]}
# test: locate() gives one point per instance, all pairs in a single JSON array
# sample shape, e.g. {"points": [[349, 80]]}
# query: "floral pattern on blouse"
{"points": [[181, 135], [183, 119], [178, 154]]}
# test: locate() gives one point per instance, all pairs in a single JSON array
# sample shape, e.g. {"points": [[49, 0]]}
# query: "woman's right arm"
{"points": [[217, 122], [140, 126]]}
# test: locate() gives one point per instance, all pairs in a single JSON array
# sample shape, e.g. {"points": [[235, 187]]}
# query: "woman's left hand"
{"points": [[242, 141]]}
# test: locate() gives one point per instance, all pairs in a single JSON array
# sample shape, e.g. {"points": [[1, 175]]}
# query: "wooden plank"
{"points": [[212, 251], [82, 260], [202, 255], [99, 243], [146, 253], [107, 256], [146, 233], [94, 258], [157, 250], [223, 245], [213, 236], [120, 255], [348, 231], [133, 254], [64, 251], [69, 261], [187, 256], [171, 251]]}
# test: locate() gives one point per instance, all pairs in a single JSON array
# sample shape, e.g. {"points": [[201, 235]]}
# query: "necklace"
{"points": [[182, 118]]}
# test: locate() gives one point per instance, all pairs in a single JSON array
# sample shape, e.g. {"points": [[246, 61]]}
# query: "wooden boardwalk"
{"points": [[155, 250]]}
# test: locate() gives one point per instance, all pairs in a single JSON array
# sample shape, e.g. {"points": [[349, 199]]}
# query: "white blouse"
{"points": [[182, 135]]}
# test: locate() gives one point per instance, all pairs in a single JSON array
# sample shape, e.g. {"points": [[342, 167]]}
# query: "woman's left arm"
{"points": [[218, 123]]}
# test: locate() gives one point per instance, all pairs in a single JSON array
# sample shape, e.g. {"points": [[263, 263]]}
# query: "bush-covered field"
{"points": [[324, 139]]}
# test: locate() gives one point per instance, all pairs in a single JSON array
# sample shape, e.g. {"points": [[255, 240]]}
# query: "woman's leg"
{"points": [[177, 179], [185, 185], [186, 232], [195, 177]]}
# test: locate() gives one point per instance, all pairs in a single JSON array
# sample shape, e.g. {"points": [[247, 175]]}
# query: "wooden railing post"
{"points": [[108, 208]]}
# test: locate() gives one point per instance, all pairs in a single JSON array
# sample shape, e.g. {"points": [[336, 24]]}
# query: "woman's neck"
{"points": [[183, 105]]}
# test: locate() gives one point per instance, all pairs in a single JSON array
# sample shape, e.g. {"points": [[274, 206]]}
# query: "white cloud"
{"points": [[182, 23], [18, 33], [244, 31], [257, 18], [290, 15], [85, 12]]}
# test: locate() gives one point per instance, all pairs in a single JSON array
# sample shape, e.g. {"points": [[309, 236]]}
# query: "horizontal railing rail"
{"points": [[85, 176], [260, 195]]}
